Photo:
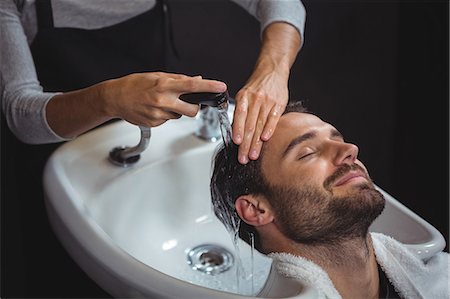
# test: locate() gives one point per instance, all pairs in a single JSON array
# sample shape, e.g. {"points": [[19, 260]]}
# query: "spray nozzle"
{"points": [[219, 100]]}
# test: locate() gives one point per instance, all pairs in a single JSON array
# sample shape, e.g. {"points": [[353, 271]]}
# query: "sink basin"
{"points": [[149, 230]]}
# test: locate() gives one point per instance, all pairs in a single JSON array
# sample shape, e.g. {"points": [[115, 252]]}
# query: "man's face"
{"points": [[321, 192]]}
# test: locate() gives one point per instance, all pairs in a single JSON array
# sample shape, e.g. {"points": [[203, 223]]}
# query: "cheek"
{"points": [[318, 171], [312, 174], [295, 173]]}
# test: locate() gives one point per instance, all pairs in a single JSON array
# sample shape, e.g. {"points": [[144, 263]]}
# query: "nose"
{"points": [[346, 153]]}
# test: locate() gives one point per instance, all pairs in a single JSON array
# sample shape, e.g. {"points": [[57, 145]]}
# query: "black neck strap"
{"points": [[44, 14]]}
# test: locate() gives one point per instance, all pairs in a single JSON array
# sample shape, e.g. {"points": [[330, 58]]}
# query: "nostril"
{"points": [[354, 150], [346, 153]]}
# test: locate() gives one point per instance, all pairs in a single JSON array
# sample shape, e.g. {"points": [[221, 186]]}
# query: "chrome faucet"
{"points": [[208, 125], [125, 156], [208, 129], [208, 119]]}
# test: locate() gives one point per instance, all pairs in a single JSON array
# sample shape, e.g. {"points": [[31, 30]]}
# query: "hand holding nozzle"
{"points": [[207, 98], [150, 99]]}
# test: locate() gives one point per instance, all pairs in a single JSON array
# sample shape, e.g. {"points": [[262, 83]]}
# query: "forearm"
{"points": [[280, 45], [73, 113]]}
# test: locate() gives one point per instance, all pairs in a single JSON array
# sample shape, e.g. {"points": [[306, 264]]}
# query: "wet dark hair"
{"points": [[231, 179]]}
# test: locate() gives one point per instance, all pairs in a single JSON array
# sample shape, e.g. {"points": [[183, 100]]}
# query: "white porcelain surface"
{"points": [[130, 228]]}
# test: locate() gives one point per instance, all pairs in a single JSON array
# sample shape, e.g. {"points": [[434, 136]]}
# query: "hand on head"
{"points": [[259, 105], [261, 102]]}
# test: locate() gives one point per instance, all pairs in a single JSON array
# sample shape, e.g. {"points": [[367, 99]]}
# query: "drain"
{"points": [[210, 259]]}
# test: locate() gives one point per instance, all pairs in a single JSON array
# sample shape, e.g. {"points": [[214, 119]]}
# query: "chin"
{"points": [[353, 190], [365, 186]]}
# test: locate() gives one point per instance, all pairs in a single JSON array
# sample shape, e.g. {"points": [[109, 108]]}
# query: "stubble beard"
{"points": [[311, 215]]}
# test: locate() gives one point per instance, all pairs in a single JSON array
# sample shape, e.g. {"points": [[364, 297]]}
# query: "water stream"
{"points": [[231, 219]]}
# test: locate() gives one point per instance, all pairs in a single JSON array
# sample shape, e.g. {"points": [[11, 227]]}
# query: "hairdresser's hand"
{"points": [[259, 105], [150, 99]]}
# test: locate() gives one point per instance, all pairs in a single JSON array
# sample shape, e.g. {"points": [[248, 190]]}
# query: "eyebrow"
{"points": [[309, 135]]}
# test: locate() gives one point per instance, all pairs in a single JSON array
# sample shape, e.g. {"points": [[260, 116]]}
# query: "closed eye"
{"points": [[303, 156]]}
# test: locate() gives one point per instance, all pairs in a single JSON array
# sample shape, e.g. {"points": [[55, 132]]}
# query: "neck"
{"points": [[349, 253], [350, 264]]}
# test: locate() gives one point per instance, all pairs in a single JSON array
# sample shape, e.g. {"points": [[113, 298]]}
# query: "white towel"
{"points": [[410, 276]]}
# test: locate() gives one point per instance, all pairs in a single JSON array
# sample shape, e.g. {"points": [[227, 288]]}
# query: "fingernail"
{"points": [[266, 135], [243, 159], [223, 86], [253, 155], [238, 138]]}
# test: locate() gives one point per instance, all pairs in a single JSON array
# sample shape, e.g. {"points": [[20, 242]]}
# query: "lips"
{"points": [[349, 176]]}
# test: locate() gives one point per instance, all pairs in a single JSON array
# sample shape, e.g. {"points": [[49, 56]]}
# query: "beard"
{"points": [[313, 215]]}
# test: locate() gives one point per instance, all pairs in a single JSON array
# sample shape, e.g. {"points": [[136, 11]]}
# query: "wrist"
{"points": [[102, 99], [269, 65], [280, 46]]}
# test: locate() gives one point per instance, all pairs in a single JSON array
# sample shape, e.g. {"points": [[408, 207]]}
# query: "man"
{"points": [[309, 203]]}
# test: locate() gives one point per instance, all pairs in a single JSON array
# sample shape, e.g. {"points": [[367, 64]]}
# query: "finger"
{"points": [[173, 115], [173, 75], [256, 145], [250, 127], [156, 122], [184, 108], [272, 120], [240, 115], [160, 113], [159, 116], [197, 85], [147, 121], [168, 102], [255, 148]]}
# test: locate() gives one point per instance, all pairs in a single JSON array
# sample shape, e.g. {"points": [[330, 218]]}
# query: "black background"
{"points": [[377, 70]]}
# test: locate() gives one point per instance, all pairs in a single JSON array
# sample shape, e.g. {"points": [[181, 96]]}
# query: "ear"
{"points": [[254, 210]]}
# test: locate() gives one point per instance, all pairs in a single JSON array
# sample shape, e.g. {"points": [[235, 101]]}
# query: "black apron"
{"points": [[66, 59]]}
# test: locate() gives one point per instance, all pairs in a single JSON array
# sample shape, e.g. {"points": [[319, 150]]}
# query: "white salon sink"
{"points": [[131, 229]]}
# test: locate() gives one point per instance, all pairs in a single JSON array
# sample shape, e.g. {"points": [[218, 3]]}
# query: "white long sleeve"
{"points": [[22, 97], [270, 11]]}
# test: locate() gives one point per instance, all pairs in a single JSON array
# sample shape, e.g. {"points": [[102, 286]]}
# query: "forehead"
{"points": [[290, 126], [295, 123], [300, 119]]}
